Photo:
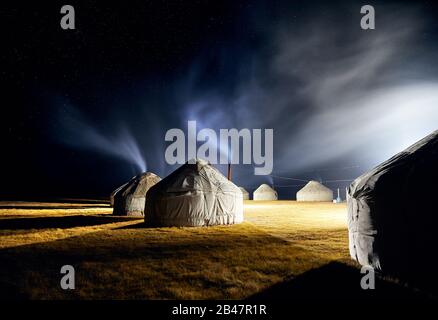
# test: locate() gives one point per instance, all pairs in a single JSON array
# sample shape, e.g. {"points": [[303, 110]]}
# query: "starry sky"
{"points": [[86, 109]]}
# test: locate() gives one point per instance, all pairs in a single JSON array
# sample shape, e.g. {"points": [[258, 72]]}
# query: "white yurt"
{"points": [[315, 191], [245, 194], [196, 194], [130, 198], [265, 192]]}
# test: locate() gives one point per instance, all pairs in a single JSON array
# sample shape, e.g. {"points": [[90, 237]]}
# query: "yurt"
{"points": [[130, 198], [196, 194], [265, 192], [315, 191], [245, 194], [392, 215]]}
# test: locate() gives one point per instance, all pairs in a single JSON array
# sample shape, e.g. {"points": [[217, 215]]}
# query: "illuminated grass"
{"points": [[120, 259]]}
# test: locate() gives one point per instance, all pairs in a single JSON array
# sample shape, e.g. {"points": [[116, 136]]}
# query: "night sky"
{"points": [[84, 110]]}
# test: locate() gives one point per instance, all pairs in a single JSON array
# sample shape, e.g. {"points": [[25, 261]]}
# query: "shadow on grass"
{"points": [[59, 222], [139, 225], [336, 281], [37, 266], [40, 207], [33, 270]]}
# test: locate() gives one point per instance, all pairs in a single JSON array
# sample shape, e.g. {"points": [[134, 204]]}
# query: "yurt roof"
{"points": [[138, 185], [417, 150], [195, 175], [315, 186], [118, 189], [264, 188]]}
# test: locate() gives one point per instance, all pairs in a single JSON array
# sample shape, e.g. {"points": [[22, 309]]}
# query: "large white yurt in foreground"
{"points": [[265, 192], [196, 194], [315, 191], [130, 198], [245, 194]]}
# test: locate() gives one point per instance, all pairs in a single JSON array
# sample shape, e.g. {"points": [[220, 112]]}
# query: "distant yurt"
{"points": [[315, 191], [265, 192], [130, 198], [393, 217], [196, 194], [245, 194]]}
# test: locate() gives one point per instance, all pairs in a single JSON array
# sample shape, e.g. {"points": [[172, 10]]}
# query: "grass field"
{"points": [[279, 243]]}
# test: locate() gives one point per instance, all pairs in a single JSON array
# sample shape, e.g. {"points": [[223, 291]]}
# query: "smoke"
{"points": [[379, 125], [79, 132], [332, 92], [363, 96]]}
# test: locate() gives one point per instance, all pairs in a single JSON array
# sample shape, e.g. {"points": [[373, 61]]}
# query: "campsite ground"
{"points": [[283, 249]]}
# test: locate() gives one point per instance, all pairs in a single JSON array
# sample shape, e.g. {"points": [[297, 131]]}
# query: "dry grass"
{"points": [[119, 259], [320, 228], [42, 205], [45, 209]]}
